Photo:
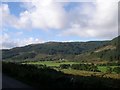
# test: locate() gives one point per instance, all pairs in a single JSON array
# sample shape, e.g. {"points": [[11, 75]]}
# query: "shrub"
{"points": [[64, 66], [117, 70]]}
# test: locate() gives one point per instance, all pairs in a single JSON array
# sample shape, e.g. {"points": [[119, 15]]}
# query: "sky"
{"points": [[25, 23]]}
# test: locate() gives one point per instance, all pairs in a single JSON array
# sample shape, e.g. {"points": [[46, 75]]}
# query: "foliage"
{"points": [[110, 64], [69, 49], [64, 66], [109, 54], [117, 70], [109, 69], [86, 67], [45, 77]]}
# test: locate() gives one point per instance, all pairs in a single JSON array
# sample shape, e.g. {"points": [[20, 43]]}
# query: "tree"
{"points": [[64, 66], [117, 70], [109, 70]]}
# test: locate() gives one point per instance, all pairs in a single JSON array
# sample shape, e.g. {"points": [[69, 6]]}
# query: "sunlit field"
{"points": [[56, 65], [51, 63]]}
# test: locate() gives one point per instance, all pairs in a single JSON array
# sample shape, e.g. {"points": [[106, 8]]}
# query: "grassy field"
{"points": [[89, 73], [103, 69], [52, 63]]}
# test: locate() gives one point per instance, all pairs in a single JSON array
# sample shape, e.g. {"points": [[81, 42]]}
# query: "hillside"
{"points": [[110, 52], [65, 50]]}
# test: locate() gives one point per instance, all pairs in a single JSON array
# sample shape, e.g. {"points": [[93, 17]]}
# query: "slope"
{"points": [[52, 49]]}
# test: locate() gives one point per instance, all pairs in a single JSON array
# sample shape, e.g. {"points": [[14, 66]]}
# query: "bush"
{"points": [[109, 69], [86, 67], [117, 70], [64, 66]]}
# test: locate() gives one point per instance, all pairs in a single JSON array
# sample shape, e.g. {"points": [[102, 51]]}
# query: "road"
{"points": [[8, 82]]}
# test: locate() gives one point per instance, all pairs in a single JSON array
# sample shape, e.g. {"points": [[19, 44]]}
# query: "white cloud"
{"points": [[89, 20], [106, 14], [97, 21], [7, 42], [77, 30], [28, 41], [52, 15], [45, 15], [8, 19], [48, 14]]}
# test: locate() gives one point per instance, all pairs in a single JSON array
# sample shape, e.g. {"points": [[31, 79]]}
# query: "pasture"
{"points": [[56, 65], [89, 73], [104, 68], [51, 63]]}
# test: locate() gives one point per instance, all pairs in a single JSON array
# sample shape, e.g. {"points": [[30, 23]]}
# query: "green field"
{"points": [[89, 73], [104, 68], [57, 64], [51, 63]]}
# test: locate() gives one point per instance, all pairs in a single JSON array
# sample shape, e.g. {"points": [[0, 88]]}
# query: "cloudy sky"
{"points": [[26, 23]]}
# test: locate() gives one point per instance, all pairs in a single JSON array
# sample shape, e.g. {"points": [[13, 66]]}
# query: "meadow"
{"points": [[51, 63], [103, 70]]}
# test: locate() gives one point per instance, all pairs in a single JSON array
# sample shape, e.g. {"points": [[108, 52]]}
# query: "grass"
{"points": [[51, 63], [89, 73], [77, 72], [104, 68]]}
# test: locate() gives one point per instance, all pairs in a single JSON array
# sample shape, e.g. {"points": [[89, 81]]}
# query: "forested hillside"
{"points": [[105, 50], [110, 52]]}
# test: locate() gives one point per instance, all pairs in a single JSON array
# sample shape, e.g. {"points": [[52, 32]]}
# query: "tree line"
{"points": [[86, 67]]}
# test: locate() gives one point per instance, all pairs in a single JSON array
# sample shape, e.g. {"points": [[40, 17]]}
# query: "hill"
{"points": [[109, 52], [65, 50]]}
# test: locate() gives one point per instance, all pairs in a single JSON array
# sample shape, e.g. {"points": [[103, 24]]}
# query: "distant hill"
{"points": [[62, 50], [109, 52]]}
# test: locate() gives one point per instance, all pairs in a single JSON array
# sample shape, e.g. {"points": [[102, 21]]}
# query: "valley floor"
{"points": [[56, 65], [89, 73]]}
